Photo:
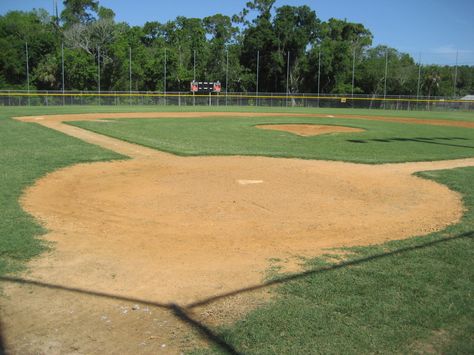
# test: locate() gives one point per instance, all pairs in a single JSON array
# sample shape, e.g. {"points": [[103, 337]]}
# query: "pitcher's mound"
{"points": [[309, 129]]}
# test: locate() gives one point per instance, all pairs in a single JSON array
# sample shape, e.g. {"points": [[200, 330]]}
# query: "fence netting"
{"points": [[117, 98]]}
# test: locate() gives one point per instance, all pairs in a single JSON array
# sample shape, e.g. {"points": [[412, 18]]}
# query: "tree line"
{"points": [[293, 50]]}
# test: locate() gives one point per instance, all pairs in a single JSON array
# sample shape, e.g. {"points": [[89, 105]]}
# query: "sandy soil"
{"points": [[169, 229], [308, 130]]}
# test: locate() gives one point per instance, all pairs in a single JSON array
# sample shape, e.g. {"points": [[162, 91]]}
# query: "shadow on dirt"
{"points": [[183, 312]]}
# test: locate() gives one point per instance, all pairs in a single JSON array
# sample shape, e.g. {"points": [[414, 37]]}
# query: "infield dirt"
{"points": [[179, 230], [307, 130]]}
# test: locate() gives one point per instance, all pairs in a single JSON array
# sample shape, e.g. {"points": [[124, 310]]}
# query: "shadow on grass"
{"points": [[2, 343], [182, 312], [323, 269], [433, 140]]}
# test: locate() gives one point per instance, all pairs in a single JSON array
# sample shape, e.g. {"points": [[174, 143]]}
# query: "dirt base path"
{"points": [[170, 229]]}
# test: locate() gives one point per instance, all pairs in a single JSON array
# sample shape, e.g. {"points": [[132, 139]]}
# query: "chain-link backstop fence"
{"points": [[116, 98]]}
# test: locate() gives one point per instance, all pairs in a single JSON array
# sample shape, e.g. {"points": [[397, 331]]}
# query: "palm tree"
{"points": [[432, 81]]}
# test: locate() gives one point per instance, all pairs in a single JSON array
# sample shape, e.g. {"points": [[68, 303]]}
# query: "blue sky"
{"points": [[435, 28]]}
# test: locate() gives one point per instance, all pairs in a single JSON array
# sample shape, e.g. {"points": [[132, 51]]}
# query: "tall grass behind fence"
{"points": [[116, 98]]}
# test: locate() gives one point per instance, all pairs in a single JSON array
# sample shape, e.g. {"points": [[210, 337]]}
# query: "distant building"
{"points": [[468, 97]]}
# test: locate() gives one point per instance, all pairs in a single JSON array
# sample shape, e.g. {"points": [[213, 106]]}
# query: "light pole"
{"points": [[226, 75], [353, 72], [130, 70], [455, 75], [287, 77], [419, 78], [164, 80], [194, 77], [385, 78], [319, 73], [98, 72], [62, 68], [27, 72], [194, 65], [258, 69]]}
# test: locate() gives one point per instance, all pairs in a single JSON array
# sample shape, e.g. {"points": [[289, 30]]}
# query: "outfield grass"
{"points": [[416, 300], [382, 142], [27, 152], [43, 110]]}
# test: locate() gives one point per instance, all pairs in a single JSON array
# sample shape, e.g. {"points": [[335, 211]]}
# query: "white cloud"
{"points": [[451, 49]]}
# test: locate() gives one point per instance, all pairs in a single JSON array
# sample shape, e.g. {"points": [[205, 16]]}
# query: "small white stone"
{"points": [[249, 182]]}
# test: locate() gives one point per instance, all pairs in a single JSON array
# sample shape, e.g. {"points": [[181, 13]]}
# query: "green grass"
{"points": [[43, 110], [382, 142], [419, 299], [27, 152]]}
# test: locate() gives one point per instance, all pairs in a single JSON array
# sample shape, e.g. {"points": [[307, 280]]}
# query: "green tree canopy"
{"points": [[217, 47]]}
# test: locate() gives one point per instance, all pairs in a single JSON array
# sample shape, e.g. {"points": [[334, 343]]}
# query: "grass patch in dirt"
{"points": [[402, 297], [382, 142], [27, 152]]}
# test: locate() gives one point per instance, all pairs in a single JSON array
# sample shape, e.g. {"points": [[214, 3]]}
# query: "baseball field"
{"points": [[238, 230]]}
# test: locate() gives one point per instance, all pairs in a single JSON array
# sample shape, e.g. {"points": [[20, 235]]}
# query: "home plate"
{"points": [[248, 182], [39, 118], [331, 116]]}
